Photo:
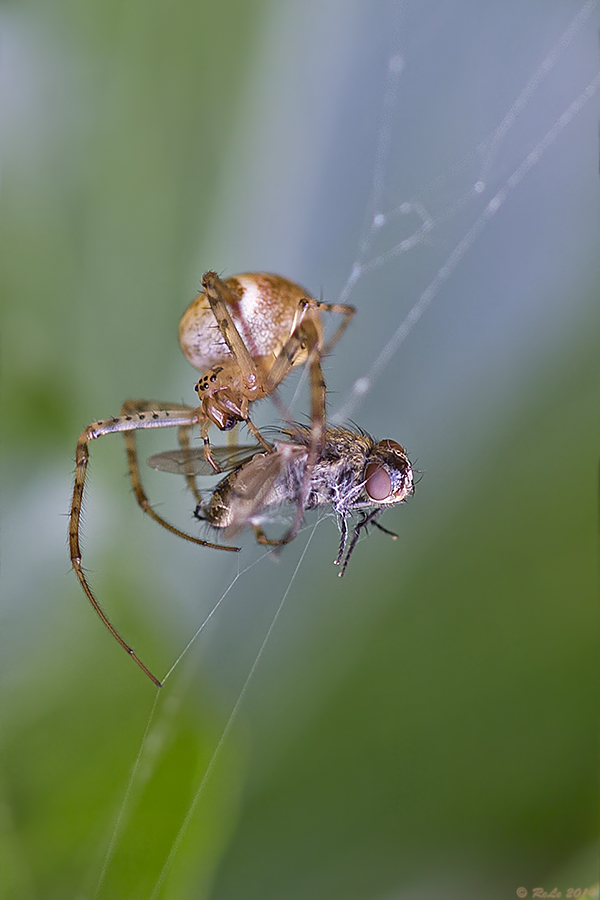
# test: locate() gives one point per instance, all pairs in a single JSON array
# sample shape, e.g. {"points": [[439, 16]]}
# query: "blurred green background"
{"points": [[429, 725]]}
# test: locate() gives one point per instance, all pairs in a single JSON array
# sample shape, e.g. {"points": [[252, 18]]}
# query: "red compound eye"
{"points": [[378, 484], [394, 446]]}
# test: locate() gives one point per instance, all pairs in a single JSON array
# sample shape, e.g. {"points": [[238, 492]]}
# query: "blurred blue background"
{"points": [[428, 725]]}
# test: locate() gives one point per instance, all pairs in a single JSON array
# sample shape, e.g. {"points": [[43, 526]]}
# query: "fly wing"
{"points": [[194, 462], [261, 483]]}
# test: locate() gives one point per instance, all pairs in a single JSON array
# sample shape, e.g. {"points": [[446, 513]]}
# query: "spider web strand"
{"points": [[228, 725]]}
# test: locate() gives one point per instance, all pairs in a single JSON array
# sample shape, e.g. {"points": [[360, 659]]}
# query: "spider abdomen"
{"points": [[263, 307]]}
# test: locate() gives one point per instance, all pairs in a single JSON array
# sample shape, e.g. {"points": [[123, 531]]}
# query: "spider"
{"points": [[245, 333], [265, 325], [352, 474]]}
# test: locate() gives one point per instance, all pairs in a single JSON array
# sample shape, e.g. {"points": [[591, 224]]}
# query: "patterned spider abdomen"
{"points": [[264, 309]]}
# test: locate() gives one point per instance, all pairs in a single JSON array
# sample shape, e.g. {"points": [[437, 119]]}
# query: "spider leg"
{"points": [[368, 519], [207, 451], [261, 538], [318, 392], [256, 434], [148, 416], [304, 334], [286, 359], [218, 293], [241, 412], [183, 438], [139, 409], [346, 311], [287, 356]]}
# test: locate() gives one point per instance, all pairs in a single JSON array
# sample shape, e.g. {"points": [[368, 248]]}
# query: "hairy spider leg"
{"points": [[216, 291], [139, 409], [346, 311], [306, 335], [147, 416], [183, 439]]}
